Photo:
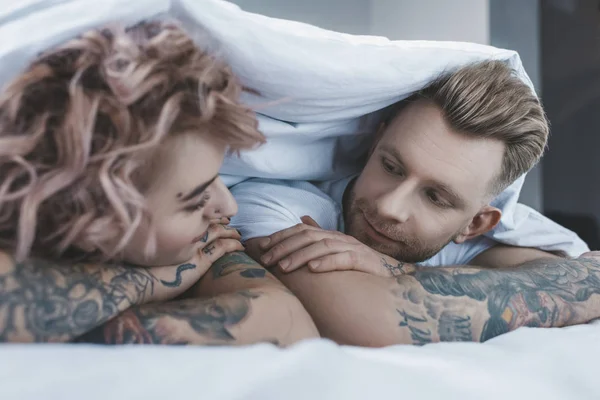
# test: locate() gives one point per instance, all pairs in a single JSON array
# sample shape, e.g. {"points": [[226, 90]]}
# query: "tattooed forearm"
{"points": [[454, 328], [45, 302], [463, 303], [237, 262], [177, 281], [42, 301], [191, 321], [418, 335], [394, 270]]}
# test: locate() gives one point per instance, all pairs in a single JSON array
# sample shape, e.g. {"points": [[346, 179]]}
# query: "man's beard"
{"points": [[405, 249]]}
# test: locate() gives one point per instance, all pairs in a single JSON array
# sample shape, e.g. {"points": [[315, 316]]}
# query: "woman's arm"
{"points": [[41, 301], [237, 302]]}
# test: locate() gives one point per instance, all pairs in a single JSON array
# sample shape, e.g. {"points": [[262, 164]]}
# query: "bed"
{"points": [[528, 363]]}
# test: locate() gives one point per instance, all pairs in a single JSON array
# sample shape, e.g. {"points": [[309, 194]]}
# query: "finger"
{"points": [[221, 220], [309, 221], [593, 256], [341, 261], [272, 240], [229, 227], [294, 243], [216, 231], [217, 249], [590, 254], [313, 252]]}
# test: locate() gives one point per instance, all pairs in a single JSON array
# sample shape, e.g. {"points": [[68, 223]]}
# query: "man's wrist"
{"points": [[395, 268]]}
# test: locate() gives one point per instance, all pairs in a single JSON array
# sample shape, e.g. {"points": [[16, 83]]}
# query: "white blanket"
{"points": [[321, 91], [315, 84], [548, 364]]}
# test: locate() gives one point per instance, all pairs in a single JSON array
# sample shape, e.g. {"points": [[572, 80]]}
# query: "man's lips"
{"points": [[377, 234]]}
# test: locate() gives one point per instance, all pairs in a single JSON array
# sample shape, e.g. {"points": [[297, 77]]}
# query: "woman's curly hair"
{"points": [[74, 124]]}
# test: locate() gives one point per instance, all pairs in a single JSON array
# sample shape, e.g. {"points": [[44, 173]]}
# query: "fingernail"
{"points": [[265, 242], [314, 264], [284, 264], [266, 259]]}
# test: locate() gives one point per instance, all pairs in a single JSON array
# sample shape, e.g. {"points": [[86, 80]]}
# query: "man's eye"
{"points": [[389, 167], [435, 198]]}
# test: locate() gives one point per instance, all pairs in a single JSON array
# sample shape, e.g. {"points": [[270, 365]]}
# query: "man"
{"points": [[424, 199]]}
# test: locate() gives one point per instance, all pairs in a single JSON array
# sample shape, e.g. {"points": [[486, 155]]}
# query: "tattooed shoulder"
{"points": [[211, 321], [237, 262]]}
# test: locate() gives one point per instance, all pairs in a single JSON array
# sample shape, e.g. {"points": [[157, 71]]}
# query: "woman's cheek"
{"points": [[176, 235]]}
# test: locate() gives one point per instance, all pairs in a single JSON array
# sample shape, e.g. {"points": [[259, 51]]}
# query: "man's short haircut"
{"points": [[487, 100]]}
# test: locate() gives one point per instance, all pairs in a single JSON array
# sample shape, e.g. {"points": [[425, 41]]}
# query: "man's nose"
{"points": [[222, 202], [395, 204]]}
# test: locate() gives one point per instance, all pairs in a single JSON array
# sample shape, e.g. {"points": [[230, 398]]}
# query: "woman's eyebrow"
{"points": [[197, 191]]}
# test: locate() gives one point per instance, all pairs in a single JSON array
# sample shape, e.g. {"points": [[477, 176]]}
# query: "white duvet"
{"points": [[548, 364], [321, 91], [320, 113]]}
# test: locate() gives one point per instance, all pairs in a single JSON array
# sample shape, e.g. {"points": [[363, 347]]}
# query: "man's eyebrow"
{"points": [[392, 151], [455, 198], [197, 191]]}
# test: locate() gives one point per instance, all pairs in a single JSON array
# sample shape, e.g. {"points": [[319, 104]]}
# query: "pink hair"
{"points": [[74, 125]]}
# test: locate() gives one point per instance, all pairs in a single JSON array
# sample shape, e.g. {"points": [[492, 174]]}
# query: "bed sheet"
{"points": [[526, 364]]}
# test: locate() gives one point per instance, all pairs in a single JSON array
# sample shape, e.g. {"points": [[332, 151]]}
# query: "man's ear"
{"points": [[485, 220]]}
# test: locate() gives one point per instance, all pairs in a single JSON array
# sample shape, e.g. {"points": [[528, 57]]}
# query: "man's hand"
{"points": [[593, 255], [325, 251]]}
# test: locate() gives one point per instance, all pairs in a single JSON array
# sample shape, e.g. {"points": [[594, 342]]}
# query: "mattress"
{"points": [[525, 364]]}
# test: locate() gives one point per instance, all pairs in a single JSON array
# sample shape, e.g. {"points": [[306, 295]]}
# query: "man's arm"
{"points": [[237, 302], [46, 302], [462, 303], [477, 304]]}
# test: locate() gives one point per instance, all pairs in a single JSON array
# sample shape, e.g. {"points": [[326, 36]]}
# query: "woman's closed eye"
{"points": [[199, 205]]}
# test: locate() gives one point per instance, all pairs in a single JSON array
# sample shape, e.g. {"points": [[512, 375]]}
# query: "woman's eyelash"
{"points": [[199, 205]]}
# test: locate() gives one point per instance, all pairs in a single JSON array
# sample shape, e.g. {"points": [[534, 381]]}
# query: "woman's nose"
{"points": [[222, 202]]}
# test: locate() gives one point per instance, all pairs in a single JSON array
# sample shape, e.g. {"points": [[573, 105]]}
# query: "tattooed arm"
{"points": [[237, 302], [46, 302], [475, 304], [460, 303]]}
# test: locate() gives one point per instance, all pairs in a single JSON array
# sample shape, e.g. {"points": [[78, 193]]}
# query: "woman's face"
{"points": [[185, 196]]}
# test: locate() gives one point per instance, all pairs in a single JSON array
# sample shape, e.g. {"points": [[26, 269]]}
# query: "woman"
{"points": [[110, 147]]}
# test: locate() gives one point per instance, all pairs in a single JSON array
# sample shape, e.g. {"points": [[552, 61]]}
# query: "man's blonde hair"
{"points": [[487, 100]]}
